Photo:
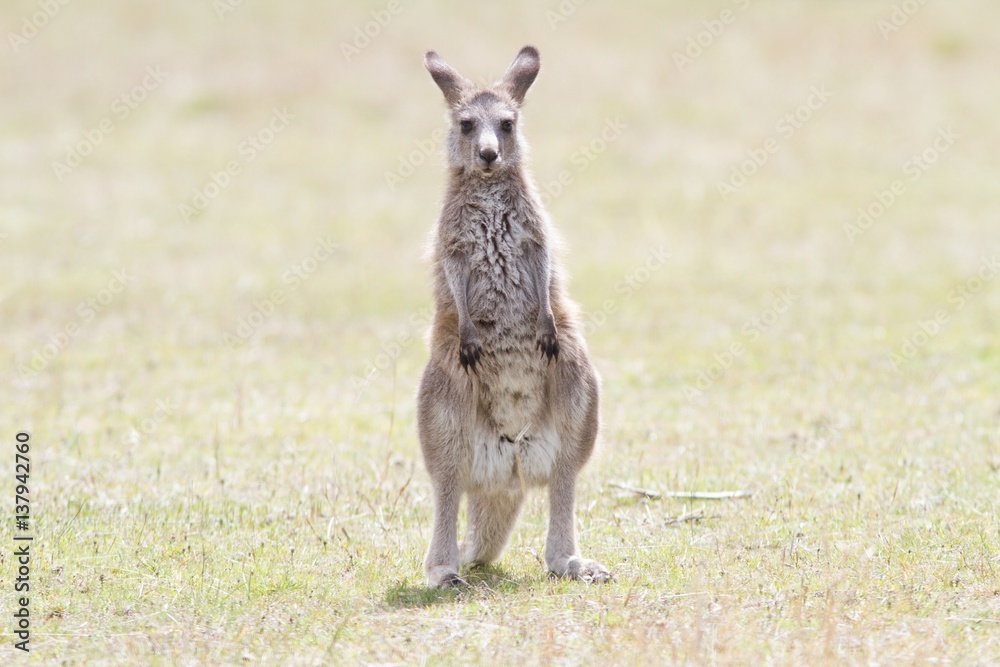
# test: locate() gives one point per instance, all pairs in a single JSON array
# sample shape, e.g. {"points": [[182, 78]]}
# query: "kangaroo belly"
{"points": [[512, 392], [512, 416]]}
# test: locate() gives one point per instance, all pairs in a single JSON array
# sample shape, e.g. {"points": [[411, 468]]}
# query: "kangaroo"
{"points": [[509, 397]]}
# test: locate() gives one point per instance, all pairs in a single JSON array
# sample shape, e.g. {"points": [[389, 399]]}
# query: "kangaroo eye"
{"points": [[506, 125], [466, 126]]}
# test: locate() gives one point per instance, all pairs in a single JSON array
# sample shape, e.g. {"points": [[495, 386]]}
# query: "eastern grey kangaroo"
{"points": [[509, 398]]}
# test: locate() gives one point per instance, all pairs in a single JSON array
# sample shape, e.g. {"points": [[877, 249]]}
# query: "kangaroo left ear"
{"points": [[521, 73]]}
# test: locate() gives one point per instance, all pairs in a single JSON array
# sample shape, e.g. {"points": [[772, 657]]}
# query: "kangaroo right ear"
{"points": [[448, 80], [521, 73]]}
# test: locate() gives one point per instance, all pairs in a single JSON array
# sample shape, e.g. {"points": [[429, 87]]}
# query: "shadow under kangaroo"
{"points": [[509, 397], [482, 582]]}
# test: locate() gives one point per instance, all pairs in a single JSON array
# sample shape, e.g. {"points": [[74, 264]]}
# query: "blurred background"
{"points": [[121, 126], [779, 219]]}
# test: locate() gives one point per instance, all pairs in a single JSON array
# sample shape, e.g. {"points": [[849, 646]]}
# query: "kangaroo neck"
{"points": [[471, 186]]}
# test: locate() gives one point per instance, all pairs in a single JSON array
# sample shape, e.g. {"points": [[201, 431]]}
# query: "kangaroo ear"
{"points": [[521, 73], [448, 80]]}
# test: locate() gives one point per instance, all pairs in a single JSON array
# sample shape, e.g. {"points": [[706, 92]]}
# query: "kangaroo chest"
{"points": [[502, 288]]}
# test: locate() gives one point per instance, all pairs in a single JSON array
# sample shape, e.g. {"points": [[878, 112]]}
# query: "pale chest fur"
{"points": [[501, 463]]}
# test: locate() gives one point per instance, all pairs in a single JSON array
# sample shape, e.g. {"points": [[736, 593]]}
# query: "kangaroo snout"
{"points": [[489, 149], [488, 156]]}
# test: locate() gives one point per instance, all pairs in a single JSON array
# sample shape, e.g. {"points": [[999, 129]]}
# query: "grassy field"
{"points": [[781, 220]]}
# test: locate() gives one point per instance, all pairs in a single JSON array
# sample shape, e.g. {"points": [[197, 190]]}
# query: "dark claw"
{"points": [[549, 346], [469, 354], [454, 581]]}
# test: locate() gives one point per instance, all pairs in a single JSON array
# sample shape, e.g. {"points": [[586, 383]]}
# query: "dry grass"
{"points": [[201, 503]]}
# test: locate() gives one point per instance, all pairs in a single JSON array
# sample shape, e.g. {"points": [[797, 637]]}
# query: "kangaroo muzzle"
{"points": [[489, 155]]}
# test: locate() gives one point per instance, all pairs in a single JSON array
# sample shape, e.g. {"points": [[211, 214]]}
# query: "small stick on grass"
{"points": [[707, 495], [632, 489], [694, 516], [695, 495]]}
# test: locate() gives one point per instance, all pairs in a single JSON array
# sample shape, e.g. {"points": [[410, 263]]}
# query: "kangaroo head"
{"points": [[484, 137]]}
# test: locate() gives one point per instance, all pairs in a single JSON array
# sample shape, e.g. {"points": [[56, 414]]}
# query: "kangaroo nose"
{"points": [[488, 154]]}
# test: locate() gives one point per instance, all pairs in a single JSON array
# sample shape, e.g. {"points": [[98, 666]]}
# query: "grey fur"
{"points": [[508, 368]]}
